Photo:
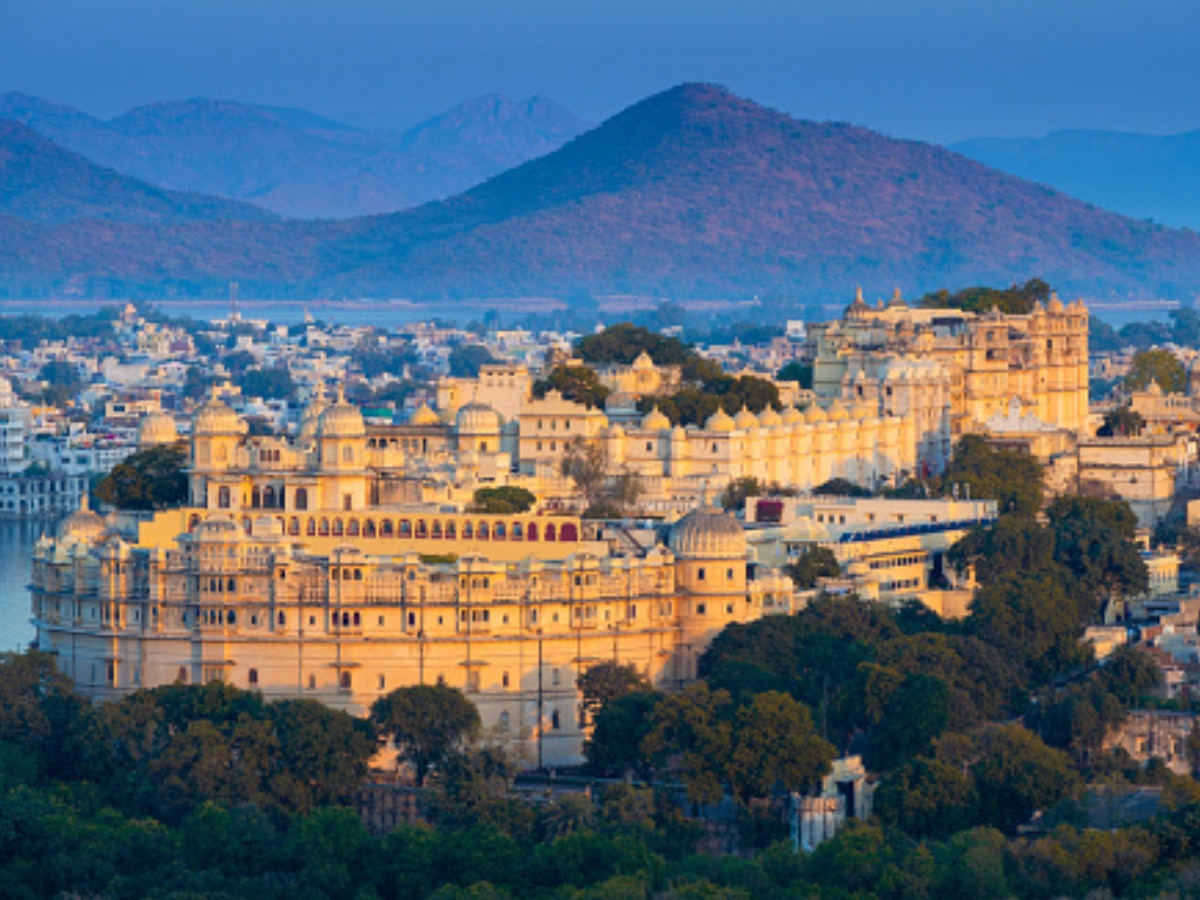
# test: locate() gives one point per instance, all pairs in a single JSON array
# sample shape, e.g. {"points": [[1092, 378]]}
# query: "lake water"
{"points": [[17, 538]]}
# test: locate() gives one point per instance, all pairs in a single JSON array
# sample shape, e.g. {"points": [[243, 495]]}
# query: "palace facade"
{"points": [[303, 568]]}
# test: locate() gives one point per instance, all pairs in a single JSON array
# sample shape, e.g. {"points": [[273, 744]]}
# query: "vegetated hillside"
{"points": [[1140, 175], [695, 191], [300, 164], [42, 182]]}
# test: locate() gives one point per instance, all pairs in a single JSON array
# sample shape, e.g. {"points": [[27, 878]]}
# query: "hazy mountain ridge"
{"points": [[42, 182], [692, 192], [297, 163], [1139, 175]]}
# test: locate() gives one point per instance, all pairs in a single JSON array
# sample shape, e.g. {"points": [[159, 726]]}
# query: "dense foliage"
{"points": [[503, 500], [153, 478], [1161, 366], [1019, 299], [578, 383]]}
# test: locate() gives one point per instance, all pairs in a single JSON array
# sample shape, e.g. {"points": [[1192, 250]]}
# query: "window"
{"points": [[504, 680], [700, 574], [253, 676], [348, 454], [554, 721], [345, 681], [223, 498], [312, 682], [502, 722], [382, 683]]}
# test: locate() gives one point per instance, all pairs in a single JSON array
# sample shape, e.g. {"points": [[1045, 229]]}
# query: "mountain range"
{"points": [[1142, 175], [693, 192], [298, 164]]}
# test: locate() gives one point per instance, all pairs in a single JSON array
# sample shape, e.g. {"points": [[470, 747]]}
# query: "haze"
{"points": [[938, 70]]}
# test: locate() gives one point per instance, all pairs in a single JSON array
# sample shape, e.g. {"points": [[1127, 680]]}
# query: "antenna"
{"points": [[234, 315]]}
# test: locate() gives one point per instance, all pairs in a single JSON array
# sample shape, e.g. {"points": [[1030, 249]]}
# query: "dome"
{"points": [[83, 524], [719, 421], [745, 419], [342, 420], [476, 418], [312, 415], [1055, 305], [768, 418], [791, 416], [655, 420], [156, 429], [643, 361], [424, 416], [814, 415], [214, 417], [837, 412], [863, 410], [708, 533]]}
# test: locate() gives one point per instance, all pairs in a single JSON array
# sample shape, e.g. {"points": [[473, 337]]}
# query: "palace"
{"points": [[981, 361], [305, 568]]}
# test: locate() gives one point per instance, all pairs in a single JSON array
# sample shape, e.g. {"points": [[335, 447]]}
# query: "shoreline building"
{"points": [[300, 569]]}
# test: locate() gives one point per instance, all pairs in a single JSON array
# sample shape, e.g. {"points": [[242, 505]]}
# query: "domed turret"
{"points": [[1055, 305], [655, 420], [342, 420], [768, 418], [708, 533], [791, 416], [719, 421], [312, 414], [745, 419], [837, 412], [643, 361], [156, 430], [215, 418], [83, 524], [814, 415], [476, 418], [424, 416]]}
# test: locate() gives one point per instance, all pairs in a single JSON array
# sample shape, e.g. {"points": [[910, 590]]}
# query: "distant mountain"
{"points": [[1140, 175], [41, 182], [297, 163], [693, 192]]}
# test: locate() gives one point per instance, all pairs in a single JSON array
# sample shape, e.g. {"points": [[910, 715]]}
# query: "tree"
{"points": [[927, 797], [1122, 422], [270, 384], [775, 748], [425, 723], [619, 727], [1016, 300], [624, 342], [578, 383], [814, 563], [62, 382], [739, 490], [585, 463], [1161, 366], [467, 359], [607, 681], [915, 713], [840, 487], [1014, 479], [153, 478], [801, 373], [503, 500], [691, 735], [1017, 775]]}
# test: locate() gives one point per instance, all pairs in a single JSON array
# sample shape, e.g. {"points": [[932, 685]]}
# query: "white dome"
{"points": [[83, 524], [424, 416], [656, 420], [719, 421], [476, 418], [708, 533], [215, 418], [157, 429], [768, 418], [745, 419], [342, 420], [791, 415]]}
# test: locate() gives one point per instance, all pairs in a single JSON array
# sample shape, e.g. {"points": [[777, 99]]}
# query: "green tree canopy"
{"points": [[1014, 479], [503, 500], [607, 681], [801, 373], [467, 359], [1019, 299], [624, 342], [1161, 366], [153, 478], [425, 723], [1121, 422], [578, 383], [814, 563]]}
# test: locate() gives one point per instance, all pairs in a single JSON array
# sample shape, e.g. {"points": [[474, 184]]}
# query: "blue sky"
{"points": [[931, 69]]}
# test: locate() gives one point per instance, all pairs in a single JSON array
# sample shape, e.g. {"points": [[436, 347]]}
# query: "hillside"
{"points": [[691, 193], [1139, 175], [697, 192], [42, 182], [299, 164]]}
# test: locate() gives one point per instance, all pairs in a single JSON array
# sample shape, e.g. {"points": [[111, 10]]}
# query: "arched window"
{"points": [[282, 619], [345, 681], [223, 498], [246, 524], [255, 498], [337, 528], [293, 526], [422, 530], [193, 521], [301, 498], [386, 528], [405, 528], [482, 531], [532, 533], [269, 497], [498, 531], [468, 531], [311, 528], [451, 531], [517, 531], [569, 532], [435, 530], [352, 528], [357, 619], [550, 532], [348, 454], [253, 676], [369, 528], [323, 528]]}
